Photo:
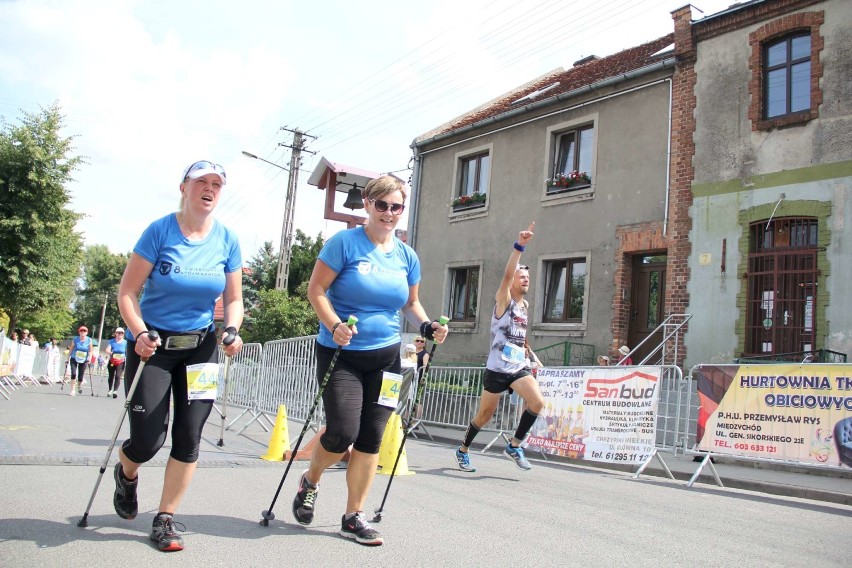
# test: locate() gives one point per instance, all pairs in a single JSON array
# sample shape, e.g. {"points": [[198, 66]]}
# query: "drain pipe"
{"points": [[415, 198], [668, 164]]}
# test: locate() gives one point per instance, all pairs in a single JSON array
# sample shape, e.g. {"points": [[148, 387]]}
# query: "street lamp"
{"points": [[286, 227], [250, 155]]}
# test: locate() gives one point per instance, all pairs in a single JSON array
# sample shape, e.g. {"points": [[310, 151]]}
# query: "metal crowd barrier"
{"points": [[242, 378], [287, 376], [451, 399]]}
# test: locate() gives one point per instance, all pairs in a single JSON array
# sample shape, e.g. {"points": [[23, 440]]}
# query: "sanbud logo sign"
{"points": [[616, 389]]}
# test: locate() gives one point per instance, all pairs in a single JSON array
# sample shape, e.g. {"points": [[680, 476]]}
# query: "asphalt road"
{"points": [[52, 445]]}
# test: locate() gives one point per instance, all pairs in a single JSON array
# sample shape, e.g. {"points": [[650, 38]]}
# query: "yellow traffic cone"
{"points": [[389, 449], [279, 440]]}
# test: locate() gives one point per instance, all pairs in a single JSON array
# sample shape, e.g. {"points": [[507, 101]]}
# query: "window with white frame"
{"points": [[572, 160], [564, 290], [464, 293], [474, 180]]}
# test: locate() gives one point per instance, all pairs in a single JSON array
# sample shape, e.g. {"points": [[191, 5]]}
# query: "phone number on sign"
{"points": [[756, 448], [623, 457]]}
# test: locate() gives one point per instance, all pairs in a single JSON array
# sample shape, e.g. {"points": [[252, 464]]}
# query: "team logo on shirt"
{"points": [[365, 267], [165, 267]]}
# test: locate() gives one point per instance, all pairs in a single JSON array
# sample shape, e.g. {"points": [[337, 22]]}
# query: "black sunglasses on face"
{"points": [[382, 206], [419, 341]]}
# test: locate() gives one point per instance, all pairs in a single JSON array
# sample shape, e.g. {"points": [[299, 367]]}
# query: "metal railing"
{"points": [[567, 354], [667, 351]]}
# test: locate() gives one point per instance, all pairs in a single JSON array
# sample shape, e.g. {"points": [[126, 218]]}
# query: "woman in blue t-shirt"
{"points": [[184, 261], [369, 273], [117, 352], [78, 356]]}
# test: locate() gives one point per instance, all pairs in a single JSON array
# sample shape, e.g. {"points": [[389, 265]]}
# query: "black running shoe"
{"points": [[303, 503], [358, 528], [164, 533], [124, 498]]}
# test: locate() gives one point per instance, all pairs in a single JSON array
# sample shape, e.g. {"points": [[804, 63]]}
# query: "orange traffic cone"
{"points": [[279, 440], [391, 442]]}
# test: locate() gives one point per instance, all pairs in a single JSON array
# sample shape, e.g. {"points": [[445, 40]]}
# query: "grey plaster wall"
{"points": [[727, 148], [629, 176]]}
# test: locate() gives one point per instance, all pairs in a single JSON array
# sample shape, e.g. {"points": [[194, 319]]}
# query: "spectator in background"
{"points": [[422, 355], [33, 340], [25, 337], [624, 351], [603, 361]]}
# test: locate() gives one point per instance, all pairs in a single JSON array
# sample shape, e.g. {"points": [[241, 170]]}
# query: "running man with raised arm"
{"points": [[507, 366]]}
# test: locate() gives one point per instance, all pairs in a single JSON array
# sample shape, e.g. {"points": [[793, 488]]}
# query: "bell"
{"points": [[354, 199]]}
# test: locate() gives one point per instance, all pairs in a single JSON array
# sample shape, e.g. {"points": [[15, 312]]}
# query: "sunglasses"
{"points": [[382, 206], [419, 341], [522, 267], [205, 165]]}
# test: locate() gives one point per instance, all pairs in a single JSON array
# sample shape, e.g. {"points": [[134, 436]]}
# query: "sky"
{"points": [[149, 86]]}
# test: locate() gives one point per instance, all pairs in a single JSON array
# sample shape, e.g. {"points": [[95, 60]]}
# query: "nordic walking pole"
{"points": [[154, 336], [91, 376], [268, 515], [421, 388], [230, 339]]}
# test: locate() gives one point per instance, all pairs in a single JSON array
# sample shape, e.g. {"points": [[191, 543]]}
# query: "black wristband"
{"points": [[519, 247], [426, 330], [334, 327]]}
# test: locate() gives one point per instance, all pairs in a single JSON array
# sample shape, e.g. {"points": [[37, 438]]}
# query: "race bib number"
{"points": [[201, 381], [513, 353], [389, 395], [117, 357], [81, 356]]}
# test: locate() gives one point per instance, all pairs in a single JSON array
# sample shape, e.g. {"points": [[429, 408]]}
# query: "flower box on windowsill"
{"points": [[568, 182], [472, 201], [466, 206], [555, 189]]}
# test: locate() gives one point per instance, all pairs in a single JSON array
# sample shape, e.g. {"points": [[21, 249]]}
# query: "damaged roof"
{"points": [[587, 71]]}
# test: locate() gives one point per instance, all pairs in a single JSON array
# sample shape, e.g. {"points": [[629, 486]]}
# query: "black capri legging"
{"points": [[164, 374], [78, 370], [350, 398]]}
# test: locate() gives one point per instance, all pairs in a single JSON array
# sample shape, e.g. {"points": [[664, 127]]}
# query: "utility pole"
{"points": [[298, 147], [101, 327]]}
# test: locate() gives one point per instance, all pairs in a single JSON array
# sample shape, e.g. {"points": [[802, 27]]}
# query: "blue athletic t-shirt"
{"points": [[118, 347], [80, 350], [188, 276], [371, 285]]}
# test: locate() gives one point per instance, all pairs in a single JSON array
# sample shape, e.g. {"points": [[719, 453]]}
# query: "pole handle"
{"points": [[154, 336], [443, 320]]}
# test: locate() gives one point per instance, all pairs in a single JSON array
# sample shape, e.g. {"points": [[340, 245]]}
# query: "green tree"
{"points": [[102, 271], [260, 276], [281, 316], [303, 256], [39, 249]]}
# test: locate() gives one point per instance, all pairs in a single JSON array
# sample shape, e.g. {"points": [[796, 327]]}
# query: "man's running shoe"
{"points": [[164, 533], [517, 455], [463, 459], [358, 528], [124, 498], [303, 503]]}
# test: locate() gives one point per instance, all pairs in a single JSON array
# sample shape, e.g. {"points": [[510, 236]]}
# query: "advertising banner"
{"points": [[605, 414], [785, 412]]}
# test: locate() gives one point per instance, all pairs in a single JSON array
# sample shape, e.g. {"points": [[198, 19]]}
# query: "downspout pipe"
{"points": [[668, 163], [415, 198]]}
